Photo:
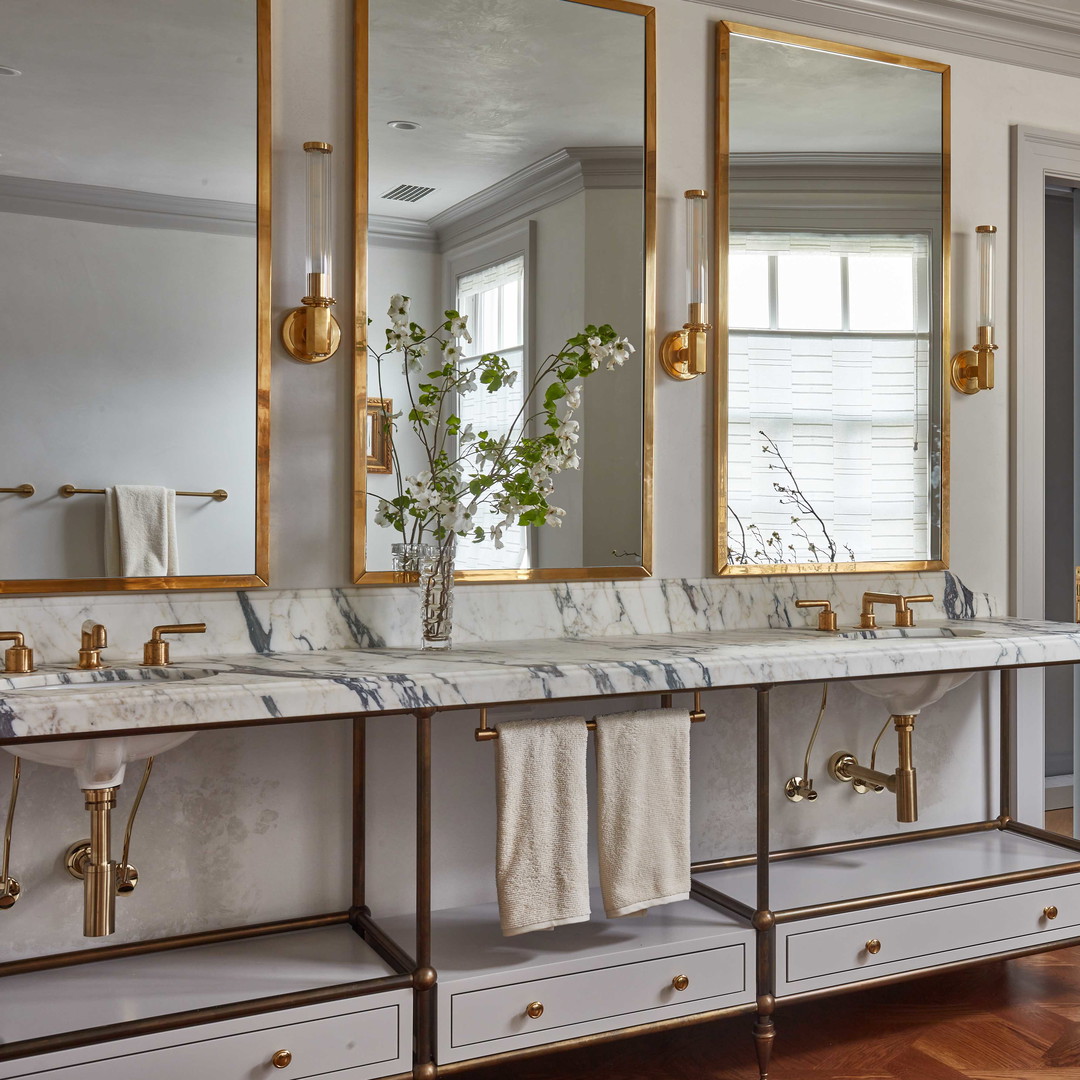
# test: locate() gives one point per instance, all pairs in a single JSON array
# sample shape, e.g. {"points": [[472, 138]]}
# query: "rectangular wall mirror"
{"points": [[134, 290], [515, 184], [833, 237]]}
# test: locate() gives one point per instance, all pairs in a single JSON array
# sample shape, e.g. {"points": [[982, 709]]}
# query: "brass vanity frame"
{"points": [[418, 973], [261, 575], [721, 221], [361, 574]]}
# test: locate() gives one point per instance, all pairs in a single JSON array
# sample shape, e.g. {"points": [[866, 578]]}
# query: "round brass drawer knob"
{"points": [[535, 1010], [680, 982], [1050, 912], [282, 1059], [873, 946]]}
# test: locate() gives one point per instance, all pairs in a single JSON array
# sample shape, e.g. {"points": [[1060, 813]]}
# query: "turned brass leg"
{"points": [[764, 1035]]}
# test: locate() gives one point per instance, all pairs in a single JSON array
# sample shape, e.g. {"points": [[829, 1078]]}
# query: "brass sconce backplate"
{"points": [[314, 322]]}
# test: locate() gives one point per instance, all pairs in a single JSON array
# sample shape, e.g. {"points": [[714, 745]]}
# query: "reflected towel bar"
{"points": [[485, 734], [24, 491], [218, 496]]}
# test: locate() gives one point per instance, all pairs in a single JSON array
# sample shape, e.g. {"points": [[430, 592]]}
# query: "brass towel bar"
{"points": [[218, 496], [24, 491], [486, 734]]}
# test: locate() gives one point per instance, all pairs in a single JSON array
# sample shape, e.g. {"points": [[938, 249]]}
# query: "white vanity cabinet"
{"points": [[352, 1038], [499, 994]]}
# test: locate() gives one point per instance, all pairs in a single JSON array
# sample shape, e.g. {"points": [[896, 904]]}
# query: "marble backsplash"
{"points": [[274, 620]]}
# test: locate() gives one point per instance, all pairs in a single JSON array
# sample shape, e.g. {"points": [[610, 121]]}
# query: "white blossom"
{"points": [[396, 339], [573, 397], [467, 434], [459, 328], [554, 516], [382, 515], [621, 351], [567, 433], [452, 352], [467, 382], [510, 378], [399, 310]]}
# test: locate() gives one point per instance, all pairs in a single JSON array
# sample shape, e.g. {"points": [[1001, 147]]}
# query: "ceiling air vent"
{"points": [[408, 193]]}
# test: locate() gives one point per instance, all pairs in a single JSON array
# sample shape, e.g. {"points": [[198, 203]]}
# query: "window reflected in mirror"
{"points": [[834, 233]]}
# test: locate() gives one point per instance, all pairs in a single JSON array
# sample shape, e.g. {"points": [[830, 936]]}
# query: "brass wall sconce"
{"points": [[684, 353], [973, 369], [310, 333]]}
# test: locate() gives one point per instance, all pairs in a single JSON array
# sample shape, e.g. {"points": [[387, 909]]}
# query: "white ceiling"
{"points": [[796, 100], [496, 86], [149, 96]]}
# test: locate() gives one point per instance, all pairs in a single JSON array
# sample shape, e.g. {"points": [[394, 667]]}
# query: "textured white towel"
{"points": [[542, 856], [140, 532], [643, 780]]}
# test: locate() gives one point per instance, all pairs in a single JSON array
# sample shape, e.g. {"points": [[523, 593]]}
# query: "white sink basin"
{"points": [[907, 695], [885, 632], [105, 678], [99, 763]]}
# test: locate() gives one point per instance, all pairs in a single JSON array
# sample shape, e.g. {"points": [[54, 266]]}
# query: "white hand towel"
{"points": [[643, 780], [140, 532], [542, 856]]}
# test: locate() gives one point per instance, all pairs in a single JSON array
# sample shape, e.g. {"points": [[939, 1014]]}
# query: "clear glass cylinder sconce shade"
{"points": [[986, 241], [697, 255], [319, 257]]}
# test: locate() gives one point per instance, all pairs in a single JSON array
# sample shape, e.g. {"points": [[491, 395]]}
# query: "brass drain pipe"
{"points": [[98, 869], [845, 768]]}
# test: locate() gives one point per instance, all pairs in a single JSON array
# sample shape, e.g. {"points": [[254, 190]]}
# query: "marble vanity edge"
{"points": [[361, 681], [273, 620]]}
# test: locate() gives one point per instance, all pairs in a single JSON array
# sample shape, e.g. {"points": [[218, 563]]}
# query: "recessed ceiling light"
{"points": [[9, 70], [403, 125]]}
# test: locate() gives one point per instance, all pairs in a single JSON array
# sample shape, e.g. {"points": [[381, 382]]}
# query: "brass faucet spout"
{"points": [[94, 638]]}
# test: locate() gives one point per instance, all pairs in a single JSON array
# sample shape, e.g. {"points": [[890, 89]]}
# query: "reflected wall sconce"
{"points": [[311, 333], [684, 353], [973, 369]]}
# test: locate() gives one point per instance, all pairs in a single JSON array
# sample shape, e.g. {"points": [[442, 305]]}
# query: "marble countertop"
{"points": [[334, 683], [268, 686]]}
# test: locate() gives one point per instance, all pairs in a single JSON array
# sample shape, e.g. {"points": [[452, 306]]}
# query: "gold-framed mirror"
{"points": [[524, 195], [135, 304], [832, 233]]}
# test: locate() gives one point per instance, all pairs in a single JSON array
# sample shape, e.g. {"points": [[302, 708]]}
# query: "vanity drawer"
{"points": [[977, 927], [607, 994], [355, 1045]]}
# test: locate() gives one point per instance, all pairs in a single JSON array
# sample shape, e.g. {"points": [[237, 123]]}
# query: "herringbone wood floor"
{"points": [[1014, 1020]]}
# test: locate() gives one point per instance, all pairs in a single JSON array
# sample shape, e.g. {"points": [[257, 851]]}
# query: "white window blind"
{"points": [[493, 298], [829, 358]]}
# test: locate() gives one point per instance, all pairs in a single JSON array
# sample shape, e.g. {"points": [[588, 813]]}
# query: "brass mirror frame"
{"points": [[361, 574], [725, 30], [261, 576]]}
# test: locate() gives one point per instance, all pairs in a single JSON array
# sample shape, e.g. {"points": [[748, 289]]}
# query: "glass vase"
{"points": [[406, 560], [437, 594]]}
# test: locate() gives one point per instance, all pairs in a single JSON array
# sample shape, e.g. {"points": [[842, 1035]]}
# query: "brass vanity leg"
{"points": [[764, 923], [359, 822], [1005, 752], [424, 977]]}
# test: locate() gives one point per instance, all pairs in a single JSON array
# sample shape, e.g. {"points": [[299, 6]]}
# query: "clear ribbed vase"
{"points": [[407, 559], [437, 594]]}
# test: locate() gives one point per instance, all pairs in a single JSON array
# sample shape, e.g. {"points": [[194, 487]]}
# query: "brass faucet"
{"points": [[904, 615], [156, 651], [18, 660], [94, 638], [827, 619]]}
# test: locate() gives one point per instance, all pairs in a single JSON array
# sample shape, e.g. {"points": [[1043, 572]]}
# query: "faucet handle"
{"points": [[827, 618], [156, 651], [18, 660], [904, 615]]}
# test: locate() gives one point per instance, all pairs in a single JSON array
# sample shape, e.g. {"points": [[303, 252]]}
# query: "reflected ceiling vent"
{"points": [[408, 193]]}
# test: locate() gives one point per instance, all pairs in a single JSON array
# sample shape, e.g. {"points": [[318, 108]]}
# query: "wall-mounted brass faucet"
{"points": [[95, 638], [905, 617]]}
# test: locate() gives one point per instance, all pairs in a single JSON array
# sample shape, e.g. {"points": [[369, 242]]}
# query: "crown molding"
{"points": [[119, 206], [1022, 32], [545, 182], [397, 232]]}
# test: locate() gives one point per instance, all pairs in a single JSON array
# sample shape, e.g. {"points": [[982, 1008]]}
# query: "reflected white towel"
{"points": [[140, 532], [542, 856], [643, 780]]}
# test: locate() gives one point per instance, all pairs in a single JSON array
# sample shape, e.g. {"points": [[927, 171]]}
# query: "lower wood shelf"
{"points": [[354, 1038], [587, 978]]}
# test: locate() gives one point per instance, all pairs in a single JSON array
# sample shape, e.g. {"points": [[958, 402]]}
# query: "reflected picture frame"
{"points": [[380, 435]]}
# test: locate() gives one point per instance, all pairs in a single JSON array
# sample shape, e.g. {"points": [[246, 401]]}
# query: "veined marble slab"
{"points": [[353, 681], [275, 620]]}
